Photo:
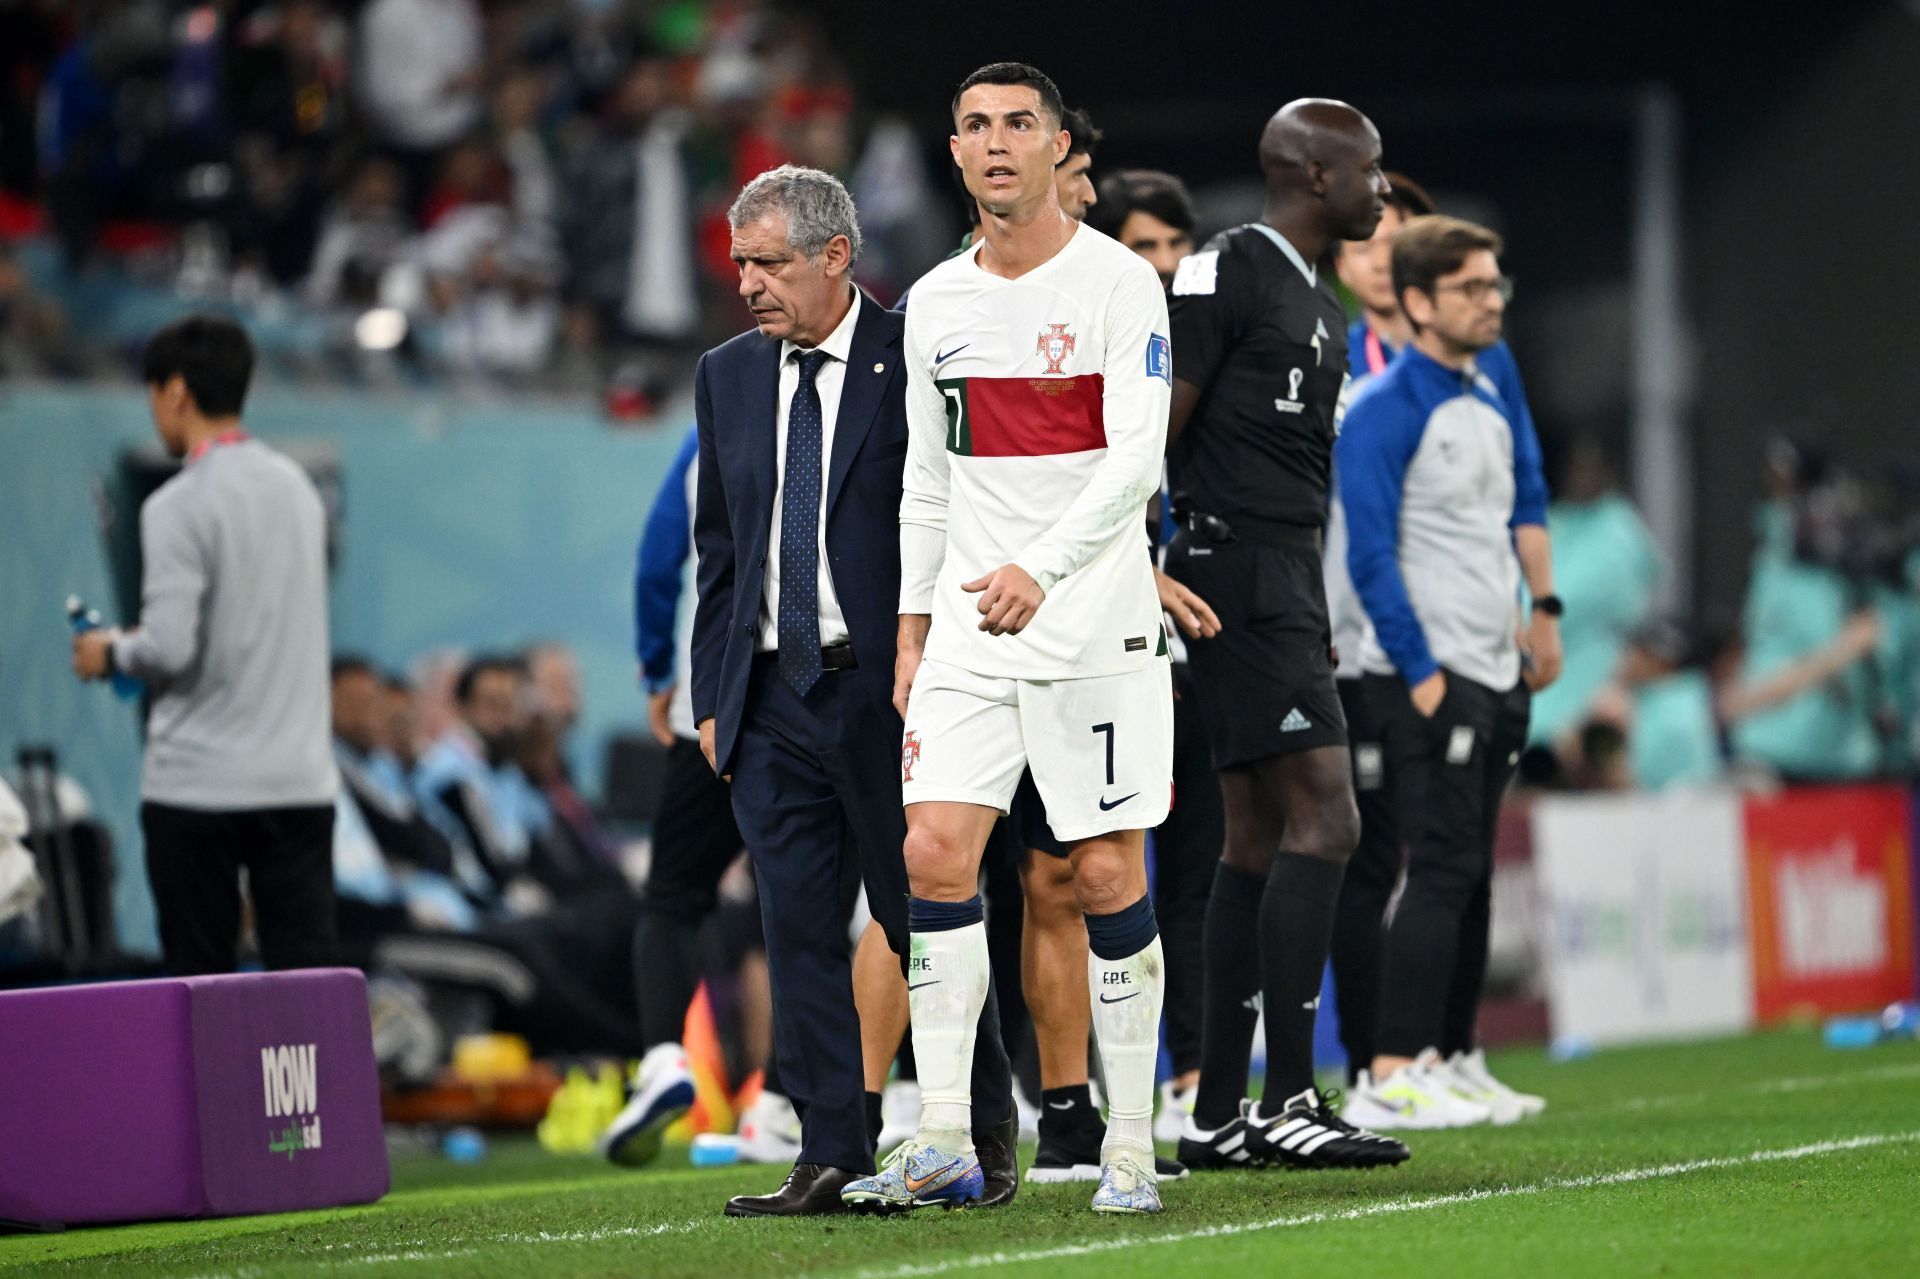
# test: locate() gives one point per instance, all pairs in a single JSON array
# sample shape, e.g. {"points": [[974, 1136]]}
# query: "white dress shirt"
{"points": [[827, 383]]}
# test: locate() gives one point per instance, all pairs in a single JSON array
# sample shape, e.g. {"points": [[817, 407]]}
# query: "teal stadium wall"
{"points": [[478, 525]]}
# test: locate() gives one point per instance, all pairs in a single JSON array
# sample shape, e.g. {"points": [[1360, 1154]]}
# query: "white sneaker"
{"points": [[1175, 1106], [1471, 1068], [1030, 1115], [899, 1113], [1412, 1097], [662, 1092], [770, 1131], [1499, 1110]]}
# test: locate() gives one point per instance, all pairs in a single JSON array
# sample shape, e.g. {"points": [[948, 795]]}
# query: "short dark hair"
{"points": [[211, 354], [351, 664], [395, 682], [1016, 73], [1434, 246], [1148, 191], [1085, 135], [484, 665], [1409, 197]]}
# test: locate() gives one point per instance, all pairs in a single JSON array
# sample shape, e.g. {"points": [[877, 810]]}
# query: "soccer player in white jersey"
{"points": [[1039, 374]]}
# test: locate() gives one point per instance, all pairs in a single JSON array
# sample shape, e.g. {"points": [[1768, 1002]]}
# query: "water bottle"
{"points": [[1896, 1021], [714, 1149], [464, 1145], [83, 619]]}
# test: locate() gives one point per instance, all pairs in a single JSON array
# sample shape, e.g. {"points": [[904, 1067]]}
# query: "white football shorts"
{"points": [[1101, 748]]}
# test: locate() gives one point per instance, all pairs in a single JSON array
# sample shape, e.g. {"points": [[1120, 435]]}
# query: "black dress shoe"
{"points": [[810, 1190], [999, 1152]]}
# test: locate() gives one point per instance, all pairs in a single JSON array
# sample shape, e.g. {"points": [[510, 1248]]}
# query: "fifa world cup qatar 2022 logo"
{"points": [[1054, 346]]}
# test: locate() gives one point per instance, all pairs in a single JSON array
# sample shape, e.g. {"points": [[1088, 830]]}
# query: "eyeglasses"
{"points": [[1477, 290]]}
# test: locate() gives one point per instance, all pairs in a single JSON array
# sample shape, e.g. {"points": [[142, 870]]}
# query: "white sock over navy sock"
{"points": [[1127, 978], [947, 975]]}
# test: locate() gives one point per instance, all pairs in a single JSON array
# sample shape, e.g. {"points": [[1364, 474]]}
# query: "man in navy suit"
{"points": [[803, 439]]}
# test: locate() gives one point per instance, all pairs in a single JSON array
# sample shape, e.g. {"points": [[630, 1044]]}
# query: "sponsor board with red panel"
{"points": [[1830, 876]]}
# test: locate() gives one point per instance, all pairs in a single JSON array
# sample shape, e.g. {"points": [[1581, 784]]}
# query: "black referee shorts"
{"points": [[1266, 681], [1025, 827]]}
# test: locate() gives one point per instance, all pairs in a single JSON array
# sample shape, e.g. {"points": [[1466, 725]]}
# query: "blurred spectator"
{"points": [[470, 174], [470, 786], [433, 676], [1670, 710], [1814, 566], [627, 223], [386, 855], [505, 317], [1665, 706], [554, 675], [1151, 213], [420, 71], [1606, 566], [363, 236], [400, 725], [534, 194]]}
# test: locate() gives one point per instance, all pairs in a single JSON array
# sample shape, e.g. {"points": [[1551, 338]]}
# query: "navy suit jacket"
{"points": [[736, 390]]}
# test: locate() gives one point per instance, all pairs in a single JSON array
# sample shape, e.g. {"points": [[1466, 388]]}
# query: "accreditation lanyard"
{"points": [[234, 436], [1377, 356]]}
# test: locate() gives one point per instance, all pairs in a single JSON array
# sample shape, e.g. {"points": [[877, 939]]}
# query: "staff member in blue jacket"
{"points": [[1440, 476]]}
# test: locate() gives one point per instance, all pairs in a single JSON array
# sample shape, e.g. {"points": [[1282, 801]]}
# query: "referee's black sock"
{"points": [[1296, 927], [876, 1120], [1231, 943]]}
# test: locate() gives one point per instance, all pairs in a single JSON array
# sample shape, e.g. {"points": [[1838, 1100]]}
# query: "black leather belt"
{"points": [[834, 657]]}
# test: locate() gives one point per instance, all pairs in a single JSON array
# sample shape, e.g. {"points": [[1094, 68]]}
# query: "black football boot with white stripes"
{"points": [[1223, 1147], [1309, 1133]]}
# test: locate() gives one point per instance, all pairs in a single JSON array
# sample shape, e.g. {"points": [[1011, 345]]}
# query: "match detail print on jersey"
{"points": [[1024, 416]]}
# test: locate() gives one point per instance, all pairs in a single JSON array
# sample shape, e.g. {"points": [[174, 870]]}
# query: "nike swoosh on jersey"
{"points": [[1123, 999], [1106, 807], [921, 985], [938, 358]]}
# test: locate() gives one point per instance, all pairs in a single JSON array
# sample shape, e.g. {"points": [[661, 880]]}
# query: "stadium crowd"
{"points": [[374, 186]]}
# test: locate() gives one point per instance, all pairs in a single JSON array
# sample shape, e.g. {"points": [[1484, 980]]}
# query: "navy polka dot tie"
{"points": [[798, 626]]}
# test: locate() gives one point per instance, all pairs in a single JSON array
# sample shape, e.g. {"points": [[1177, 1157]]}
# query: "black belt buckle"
{"points": [[1211, 527], [837, 657]]}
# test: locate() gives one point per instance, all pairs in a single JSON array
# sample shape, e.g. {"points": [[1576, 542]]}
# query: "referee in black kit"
{"points": [[1260, 360]]}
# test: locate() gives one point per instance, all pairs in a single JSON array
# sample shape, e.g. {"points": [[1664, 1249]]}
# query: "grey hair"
{"points": [[816, 204]]}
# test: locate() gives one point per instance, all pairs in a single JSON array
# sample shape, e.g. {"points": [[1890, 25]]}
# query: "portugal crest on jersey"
{"points": [[909, 756], [1054, 346]]}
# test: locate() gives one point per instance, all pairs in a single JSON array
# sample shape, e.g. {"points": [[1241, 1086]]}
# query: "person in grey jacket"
{"points": [[232, 640]]}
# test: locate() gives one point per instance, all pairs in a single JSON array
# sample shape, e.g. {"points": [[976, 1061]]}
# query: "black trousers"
{"points": [[695, 839], [1360, 918], [1448, 773], [1186, 851], [194, 859], [816, 785]]}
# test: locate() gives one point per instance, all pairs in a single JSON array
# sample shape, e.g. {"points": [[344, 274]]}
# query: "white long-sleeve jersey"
{"points": [[1037, 420]]}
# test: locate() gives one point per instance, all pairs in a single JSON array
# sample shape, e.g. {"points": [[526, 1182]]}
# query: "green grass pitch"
{"points": [[1762, 1156]]}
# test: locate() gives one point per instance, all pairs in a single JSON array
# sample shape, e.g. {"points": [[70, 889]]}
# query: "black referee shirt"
{"points": [[1268, 350]]}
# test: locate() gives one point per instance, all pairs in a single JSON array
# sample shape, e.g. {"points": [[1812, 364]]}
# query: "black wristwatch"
{"points": [[1550, 605]]}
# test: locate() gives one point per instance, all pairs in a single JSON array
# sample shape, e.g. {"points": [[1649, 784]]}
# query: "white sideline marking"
{"points": [[1389, 1207], [438, 1251]]}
